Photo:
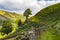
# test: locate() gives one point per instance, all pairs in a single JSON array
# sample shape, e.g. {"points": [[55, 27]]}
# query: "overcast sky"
{"points": [[20, 6]]}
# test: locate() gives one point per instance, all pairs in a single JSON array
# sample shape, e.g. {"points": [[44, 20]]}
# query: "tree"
{"points": [[7, 27], [27, 13], [19, 23]]}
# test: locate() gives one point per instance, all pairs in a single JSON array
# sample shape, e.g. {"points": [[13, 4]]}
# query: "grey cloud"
{"points": [[20, 8]]}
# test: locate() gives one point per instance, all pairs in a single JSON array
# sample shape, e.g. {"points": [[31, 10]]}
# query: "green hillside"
{"points": [[9, 19], [11, 16], [50, 18], [48, 14]]}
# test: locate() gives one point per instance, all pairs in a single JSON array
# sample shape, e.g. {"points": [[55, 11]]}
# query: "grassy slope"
{"points": [[46, 17], [47, 14], [12, 17]]}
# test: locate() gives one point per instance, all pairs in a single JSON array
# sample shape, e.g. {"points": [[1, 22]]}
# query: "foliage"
{"points": [[49, 34], [27, 12], [7, 27], [19, 23]]}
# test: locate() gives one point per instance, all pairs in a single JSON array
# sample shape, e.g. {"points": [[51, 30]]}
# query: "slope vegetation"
{"points": [[48, 14], [10, 19], [50, 18]]}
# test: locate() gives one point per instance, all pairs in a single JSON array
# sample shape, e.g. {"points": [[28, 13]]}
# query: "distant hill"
{"points": [[13, 18], [5, 15]]}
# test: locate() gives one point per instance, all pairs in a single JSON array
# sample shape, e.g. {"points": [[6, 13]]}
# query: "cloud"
{"points": [[21, 5]]}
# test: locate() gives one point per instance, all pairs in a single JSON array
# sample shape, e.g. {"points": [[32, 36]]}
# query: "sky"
{"points": [[19, 6]]}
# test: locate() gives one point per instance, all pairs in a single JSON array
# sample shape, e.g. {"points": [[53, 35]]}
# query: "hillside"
{"points": [[50, 18], [10, 18], [48, 14]]}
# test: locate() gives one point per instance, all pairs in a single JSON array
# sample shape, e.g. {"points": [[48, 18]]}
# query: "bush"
{"points": [[7, 27]]}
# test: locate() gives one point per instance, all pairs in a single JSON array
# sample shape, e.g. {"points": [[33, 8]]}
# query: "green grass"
{"points": [[49, 34]]}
